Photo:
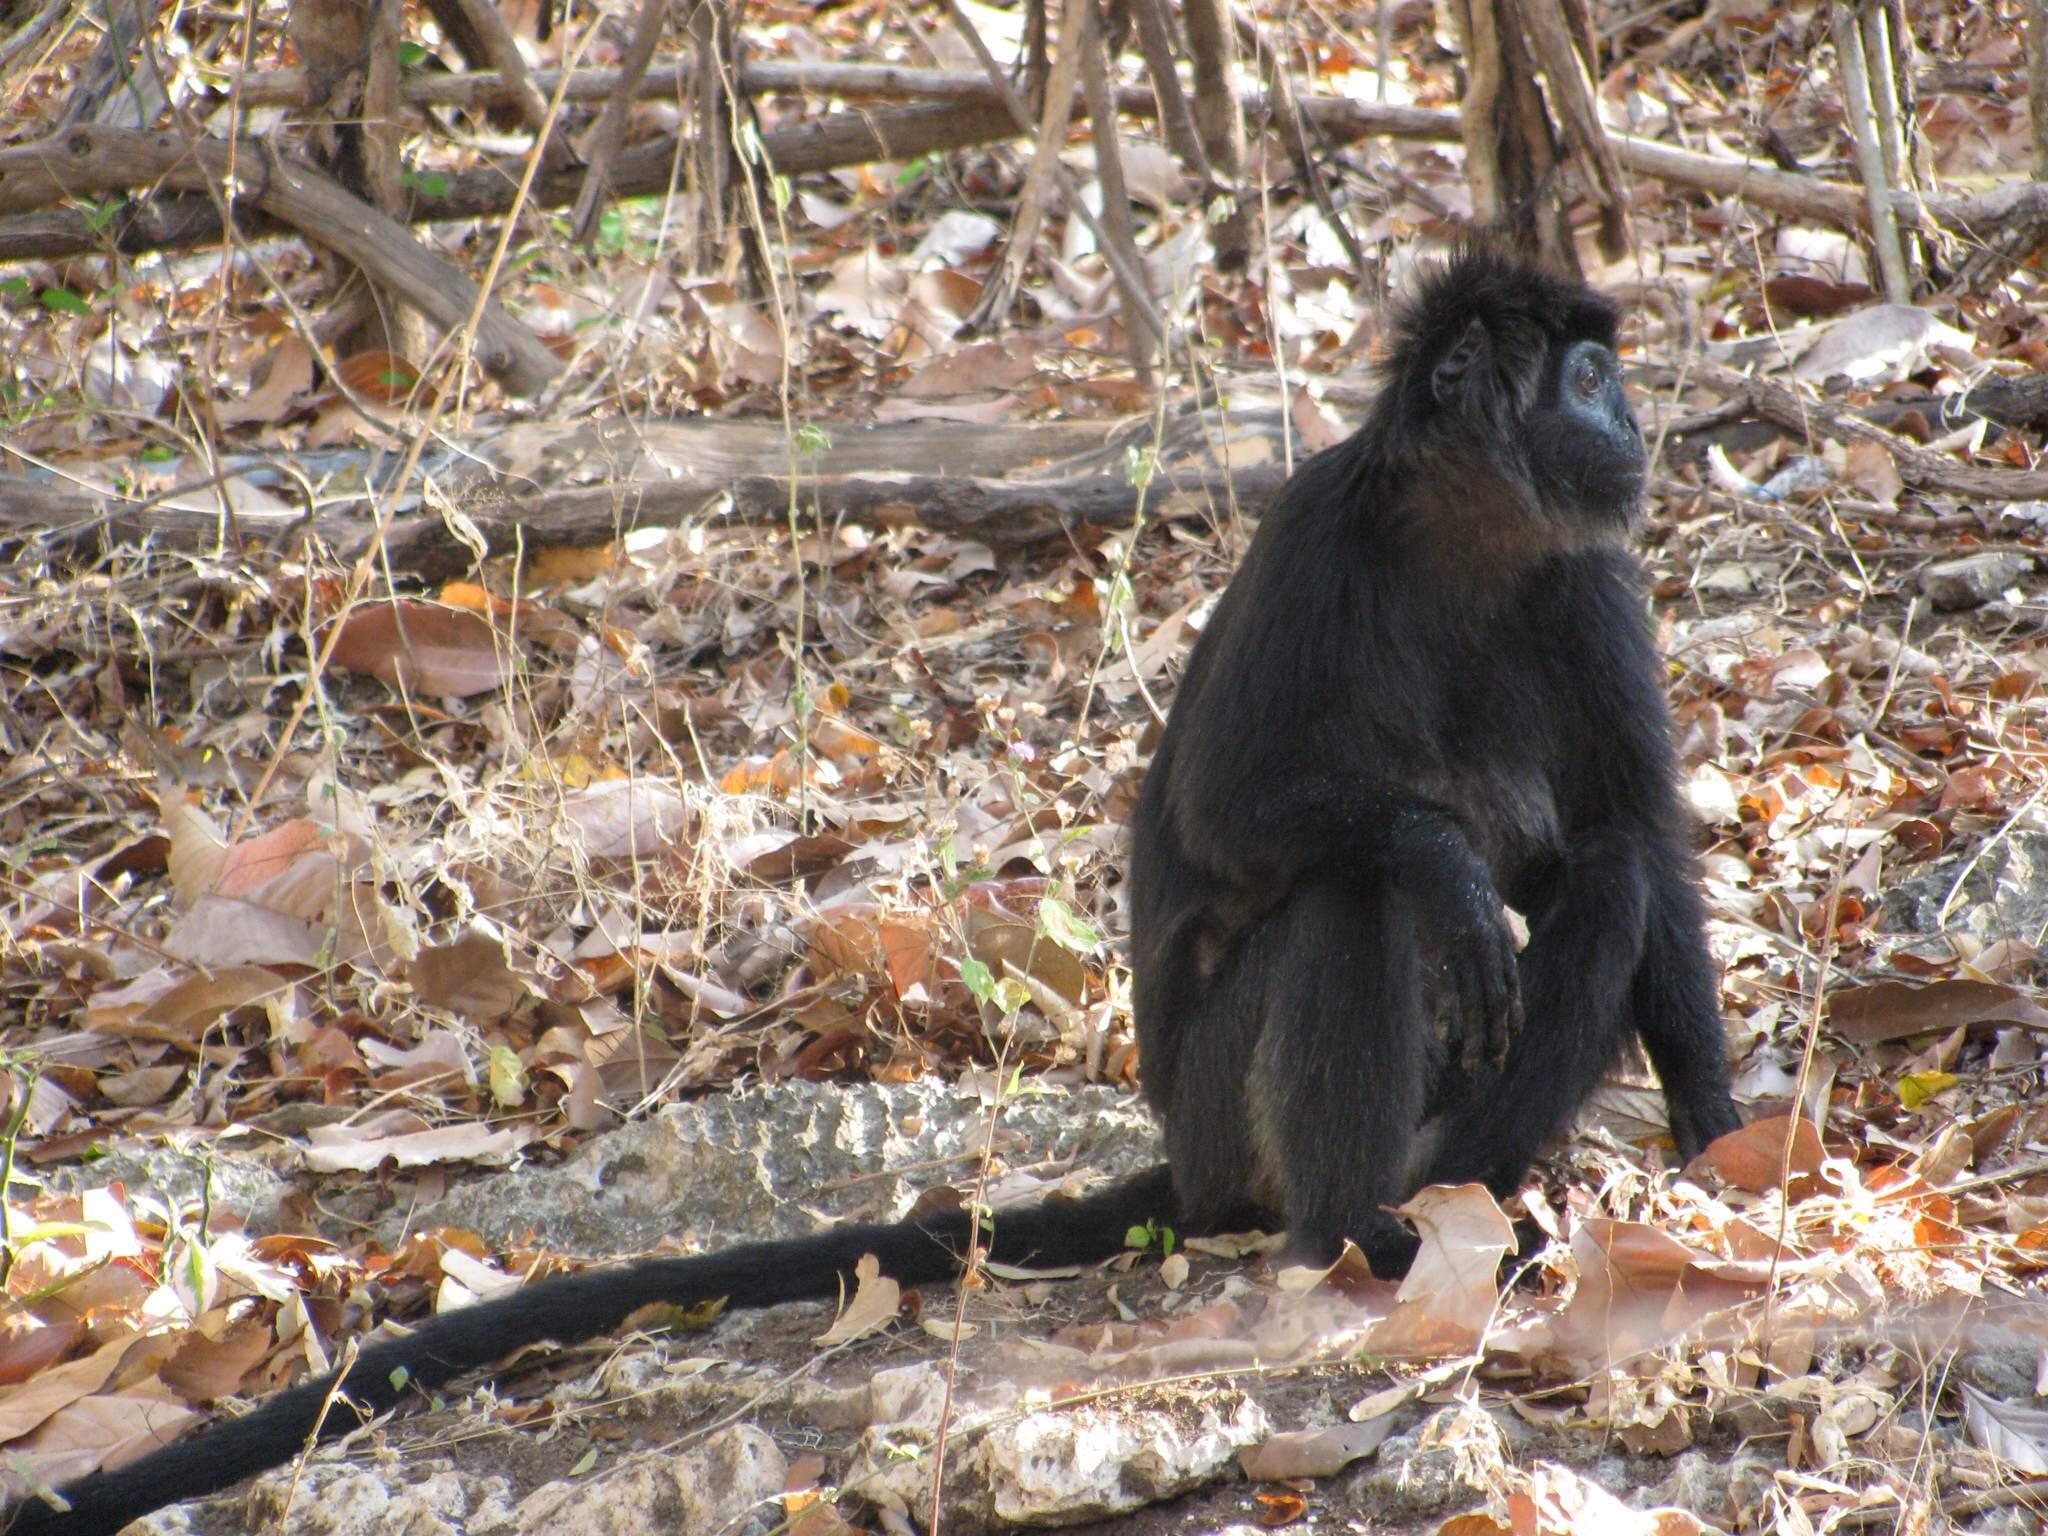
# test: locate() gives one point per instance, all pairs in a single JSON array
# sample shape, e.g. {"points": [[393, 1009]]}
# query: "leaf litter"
{"points": [[553, 849]]}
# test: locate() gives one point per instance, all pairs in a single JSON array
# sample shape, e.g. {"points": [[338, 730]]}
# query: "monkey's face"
{"points": [[1585, 451]]}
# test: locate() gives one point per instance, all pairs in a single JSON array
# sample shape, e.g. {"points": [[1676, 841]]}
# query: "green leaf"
{"points": [[1148, 1235], [918, 167], [1011, 994], [198, 1269], [507, 1076], [978, 979], [412, 55], [47, 1229], [1916, 1088], [1058, 922], [63, 299]]}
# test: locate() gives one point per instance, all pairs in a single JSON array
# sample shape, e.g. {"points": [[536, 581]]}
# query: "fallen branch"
{"points": [[1866, 511], [955, 111], [1924, 471], [647, 170], [90, 160], [1002, 513]]}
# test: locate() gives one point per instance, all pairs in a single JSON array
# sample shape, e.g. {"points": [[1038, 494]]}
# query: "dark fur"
{"points": [[1430, 687]]}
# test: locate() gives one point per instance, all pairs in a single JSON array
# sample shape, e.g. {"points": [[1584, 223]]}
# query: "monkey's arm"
{"points": [[1378, 839], [571, 1308], [1676, 1007], [1576, 973]]}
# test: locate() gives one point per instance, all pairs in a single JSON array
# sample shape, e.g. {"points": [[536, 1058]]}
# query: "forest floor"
{"points": [[334, 894]]}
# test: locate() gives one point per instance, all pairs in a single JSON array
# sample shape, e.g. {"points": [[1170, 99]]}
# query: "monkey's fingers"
{"points": [[1489, 1001], [1503, 1026]]}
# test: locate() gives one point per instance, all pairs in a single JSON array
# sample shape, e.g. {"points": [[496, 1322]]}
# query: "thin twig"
{"points": [[608, 137]]}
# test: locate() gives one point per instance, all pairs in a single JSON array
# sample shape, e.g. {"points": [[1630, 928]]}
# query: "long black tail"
{"points": [[571, 1308]]}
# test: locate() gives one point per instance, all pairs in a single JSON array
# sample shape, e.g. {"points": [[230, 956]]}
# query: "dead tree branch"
{"points": [[89, 161], [1924, 471]]}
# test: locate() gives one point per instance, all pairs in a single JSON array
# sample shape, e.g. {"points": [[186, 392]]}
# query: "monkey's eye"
{"points": [[1586, 378]]}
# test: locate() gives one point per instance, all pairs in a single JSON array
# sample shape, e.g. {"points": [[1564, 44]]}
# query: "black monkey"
{"points": [[1429, 689]]}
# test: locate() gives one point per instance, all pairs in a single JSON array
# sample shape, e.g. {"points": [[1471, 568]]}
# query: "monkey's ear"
{"points": [[1468, 352]]}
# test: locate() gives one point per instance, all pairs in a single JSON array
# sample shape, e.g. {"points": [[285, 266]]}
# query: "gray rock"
{"points": [[2004, 891], [1697, 1482], [1060, 1466], [328, 1498], [240, 1183], [1417, 1479], [777, 1161], [2007, 1373], [726, 1484], [1102, 1458], [1974, 579]]}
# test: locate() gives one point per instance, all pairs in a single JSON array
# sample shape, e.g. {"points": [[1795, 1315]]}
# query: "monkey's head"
{"points": [[1497, 362]]}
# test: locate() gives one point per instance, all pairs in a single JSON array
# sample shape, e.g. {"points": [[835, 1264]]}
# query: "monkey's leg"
{"points": [[1335, 1081], [1577, 978], [1676, 1008], [1194, 1062]]}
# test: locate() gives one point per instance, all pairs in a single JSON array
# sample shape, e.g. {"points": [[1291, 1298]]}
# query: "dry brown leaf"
{"points": [[147, 1085], [423, 648], [203, 1369], [164, 1005], [862, 942], [1278, 1509], [564, 565], [1313, 1452], [282, 370], [261, 864], [1750, 1156], [223, 931], [1559, 1502], [1452, 1289], [335, 1147], [876, 1299], [378, 375], [1892, 1010], [25, 1406], [624, 818], [103, 1431], [999, 943], [468, 977], [28, 1344]]}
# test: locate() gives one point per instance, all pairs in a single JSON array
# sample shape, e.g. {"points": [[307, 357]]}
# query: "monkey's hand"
{"points": [[1479, 997]]}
